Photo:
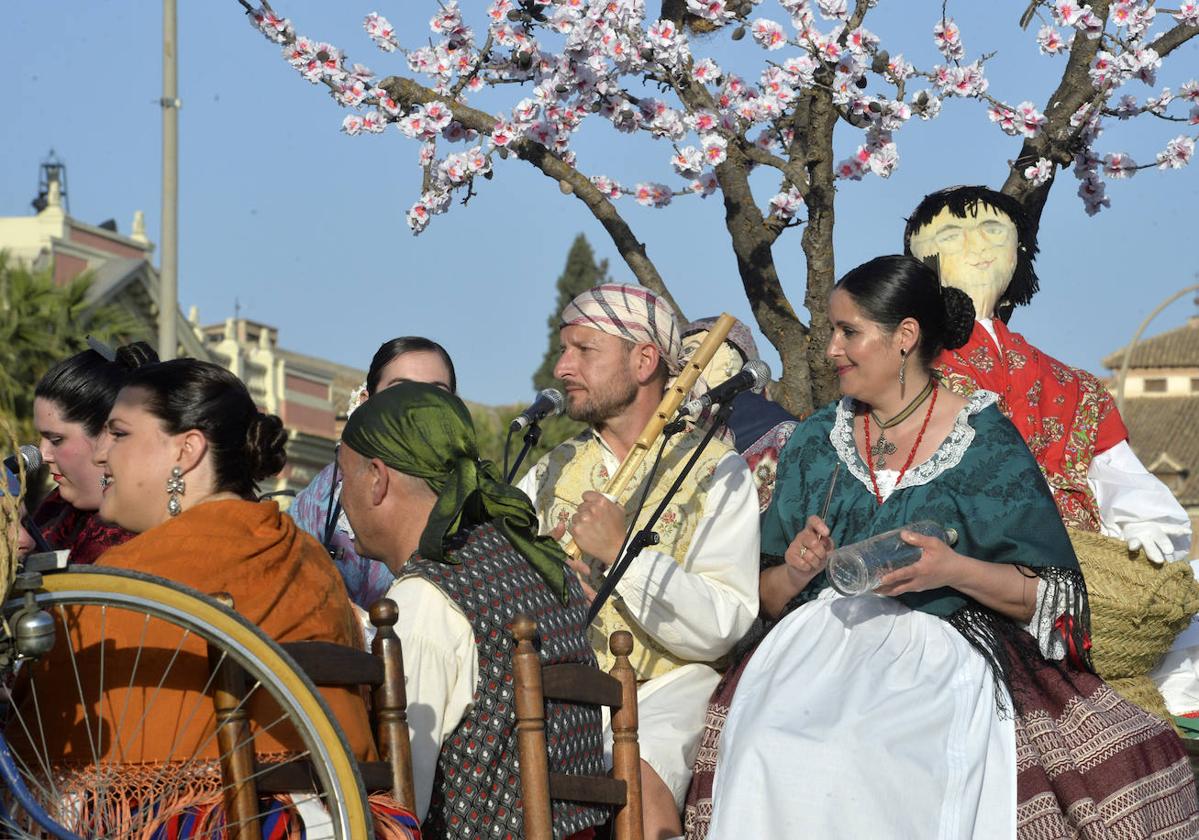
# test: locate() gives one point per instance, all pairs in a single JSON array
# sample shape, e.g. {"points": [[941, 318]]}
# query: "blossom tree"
{"points": [[636, 67]]}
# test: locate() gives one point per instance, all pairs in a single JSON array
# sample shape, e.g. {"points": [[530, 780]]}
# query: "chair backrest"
{"points": [[574, 683], [326, 664]]}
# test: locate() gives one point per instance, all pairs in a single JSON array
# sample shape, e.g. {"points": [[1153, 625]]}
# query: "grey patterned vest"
{"points": [[476, 791]]}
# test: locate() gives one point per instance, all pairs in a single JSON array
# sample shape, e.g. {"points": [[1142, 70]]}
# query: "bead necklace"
{"points": [[884, 447], [911, 455]]}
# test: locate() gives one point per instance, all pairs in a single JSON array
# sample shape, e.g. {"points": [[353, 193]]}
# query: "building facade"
{"points": [[1161, 410]]}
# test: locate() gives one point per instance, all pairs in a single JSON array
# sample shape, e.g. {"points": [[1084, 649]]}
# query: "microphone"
{"points": [[754, 376], [548, 403], [29, 455]]}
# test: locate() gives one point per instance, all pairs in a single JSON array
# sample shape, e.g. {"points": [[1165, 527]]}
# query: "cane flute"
{"points": [[676, 394]]}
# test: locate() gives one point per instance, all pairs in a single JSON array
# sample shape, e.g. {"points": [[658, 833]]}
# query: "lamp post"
{"points": [[168, 277], [1136, 337]]}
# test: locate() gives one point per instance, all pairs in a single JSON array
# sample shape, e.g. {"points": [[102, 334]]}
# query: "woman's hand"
{"points": [[808, 553], [938, 566]]}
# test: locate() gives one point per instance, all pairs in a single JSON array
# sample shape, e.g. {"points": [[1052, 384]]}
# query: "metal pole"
{"points": [[168, 303], [1136, 337]]}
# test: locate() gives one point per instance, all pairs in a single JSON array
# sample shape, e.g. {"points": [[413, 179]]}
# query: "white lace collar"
{"points": [[948, 455]]}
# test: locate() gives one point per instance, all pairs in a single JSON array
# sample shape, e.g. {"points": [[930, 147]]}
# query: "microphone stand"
{"points": [[647, 536], [532, 435]]}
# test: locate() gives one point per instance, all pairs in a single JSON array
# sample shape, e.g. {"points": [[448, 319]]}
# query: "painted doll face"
{"points": [[977, 253]]}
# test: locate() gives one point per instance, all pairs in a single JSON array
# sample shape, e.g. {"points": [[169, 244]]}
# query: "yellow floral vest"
{"points": [[577, 466]]}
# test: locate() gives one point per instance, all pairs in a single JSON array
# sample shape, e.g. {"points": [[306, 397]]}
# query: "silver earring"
{"points": [[903, 354], [175, 488]]}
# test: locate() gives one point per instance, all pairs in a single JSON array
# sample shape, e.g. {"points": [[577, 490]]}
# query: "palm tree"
{"points": [[41, 323]]}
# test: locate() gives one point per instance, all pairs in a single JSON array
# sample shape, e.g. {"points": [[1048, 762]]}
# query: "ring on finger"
{"points": [[803, 549]]}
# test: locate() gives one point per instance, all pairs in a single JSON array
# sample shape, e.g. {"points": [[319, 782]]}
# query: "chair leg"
{"points": [[626, 754], [237, 748], [530, 732], [391, 703]]}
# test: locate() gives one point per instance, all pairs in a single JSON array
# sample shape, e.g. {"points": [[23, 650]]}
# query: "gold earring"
{"points": [[175, 489]]}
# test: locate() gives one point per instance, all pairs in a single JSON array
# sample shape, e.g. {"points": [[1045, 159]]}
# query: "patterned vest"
{"points": [[576, 466], [476, 790]]}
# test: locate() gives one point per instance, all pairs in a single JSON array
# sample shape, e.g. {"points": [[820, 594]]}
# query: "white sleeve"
{"points": [[700, 609], [1127, 493], [441, 669]]}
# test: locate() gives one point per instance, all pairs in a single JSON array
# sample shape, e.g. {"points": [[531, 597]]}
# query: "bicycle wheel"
{"points": [[80, 768]]}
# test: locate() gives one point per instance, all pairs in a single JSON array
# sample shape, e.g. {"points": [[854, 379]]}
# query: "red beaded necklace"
{"points": [[911, 455]]}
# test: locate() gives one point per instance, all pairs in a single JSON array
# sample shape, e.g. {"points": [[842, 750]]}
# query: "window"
{"points": [[1155, 386]]}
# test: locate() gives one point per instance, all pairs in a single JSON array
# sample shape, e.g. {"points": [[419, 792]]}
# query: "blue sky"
{"points": [[304, 226]]}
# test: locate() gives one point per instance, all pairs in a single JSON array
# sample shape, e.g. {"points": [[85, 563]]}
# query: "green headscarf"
{"points": [[422, 431]]}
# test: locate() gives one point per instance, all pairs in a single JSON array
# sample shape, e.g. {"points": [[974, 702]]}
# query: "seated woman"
{"points": [[317, 508], [184, 450], [70, 405], [925, 709]]}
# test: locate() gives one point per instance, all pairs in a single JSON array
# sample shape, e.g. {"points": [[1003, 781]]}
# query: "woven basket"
{"points": [[1137, 610]]}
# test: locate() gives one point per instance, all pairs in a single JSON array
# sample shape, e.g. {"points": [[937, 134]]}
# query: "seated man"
{"points": [[466, 551], [688, 600]]}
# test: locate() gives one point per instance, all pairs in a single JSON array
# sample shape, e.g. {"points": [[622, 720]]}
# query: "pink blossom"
{"points": [[899, 69], [703, 121], [351, 92], [454, 132], [706, 71], [455, 168], [607, 186], [352, 124], [883, 159], [663, 34], [381, 32], [652, 195], [1092, 191], [1103, 69], [1193, 118], [861, 41], [1190, 91], [1067, 12], [503, 134], [705, 184], [1040, 172], [769, 34], [448, 21], [1119, 165], [787, 203], [713, 10], [1090, 24], [427, 151], [1188, 12], [801, 69], [1050, 42], [418, 217], [1004, 116], [1031, 120], [1177, 154], [374, 122], [949, 39], [1121, 13], [498, 11], [386, 102], [415, 125], [926, 105], [688, 162], [438, 114], [851, 169], [715, 149], [275, 28], [477, 161], [833, 9]]}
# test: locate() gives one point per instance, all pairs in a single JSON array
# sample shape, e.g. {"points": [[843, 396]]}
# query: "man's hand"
{"points": [[581, 570], [598, 527]]}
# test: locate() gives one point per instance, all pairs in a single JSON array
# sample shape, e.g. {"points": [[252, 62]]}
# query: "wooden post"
{"points": [[530, 732], [235, 742], [391, 702], [626, 754]]}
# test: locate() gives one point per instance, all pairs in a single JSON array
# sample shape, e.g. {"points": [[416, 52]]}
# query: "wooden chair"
{"points": [[574, 683], [326, 664]]}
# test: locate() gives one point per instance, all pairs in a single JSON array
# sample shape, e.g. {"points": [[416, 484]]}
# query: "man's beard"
{"points": [[602, 405]]}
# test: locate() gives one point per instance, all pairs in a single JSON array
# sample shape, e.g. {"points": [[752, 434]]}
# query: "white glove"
{"points": [[1152, 537]]}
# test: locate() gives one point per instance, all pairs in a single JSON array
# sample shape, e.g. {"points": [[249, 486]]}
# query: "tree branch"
{"points": [[632, 251]]}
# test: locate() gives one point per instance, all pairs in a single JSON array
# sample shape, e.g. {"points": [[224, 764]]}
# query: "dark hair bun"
{"points": [[132, 356], [266, 442], [959, 317]]}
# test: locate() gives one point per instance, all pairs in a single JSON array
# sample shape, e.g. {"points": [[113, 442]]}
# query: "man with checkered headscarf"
{"points": [[691, 597]]}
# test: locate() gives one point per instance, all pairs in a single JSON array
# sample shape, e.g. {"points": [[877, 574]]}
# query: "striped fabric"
{"points": [[631, 312]]}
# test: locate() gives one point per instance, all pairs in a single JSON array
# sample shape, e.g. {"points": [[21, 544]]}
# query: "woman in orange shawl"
{"points": [[184, 450]]}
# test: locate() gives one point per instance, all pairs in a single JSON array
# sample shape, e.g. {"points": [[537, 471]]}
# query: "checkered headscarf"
{"points": [[633, 313]]}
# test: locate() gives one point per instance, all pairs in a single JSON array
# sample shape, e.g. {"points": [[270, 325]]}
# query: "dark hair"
{"points": [[84, 386], [963, 200], [246, 445], [397, 347], [890, 289]]}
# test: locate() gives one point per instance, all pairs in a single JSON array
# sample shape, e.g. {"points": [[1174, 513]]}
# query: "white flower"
{"points": [[275, 28], [1030, 119], [926, 105], [787, 203], [851, 169], [352, 124], [1103, 69], [1040, 172], [706, 71], [652, 195], [715, 149], [663, 34], [1068, 12], [1190, 91], [374, 122], [1005, 117], [713, 10], [438, 114], [949, 39], [357, 397], [1050, 42], [833, 9], [883, 159], [1092, 191], [688, 162], [899, 69], [448, 21], [1188, 13], [381, 32], [1177, 154], [802, 70], [705, 185], [418, 217], [606, 186], [503, 133], [1119, 165], [769, 34]]}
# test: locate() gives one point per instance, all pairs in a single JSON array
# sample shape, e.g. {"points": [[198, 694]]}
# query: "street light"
{"points": [[1137, 336]]}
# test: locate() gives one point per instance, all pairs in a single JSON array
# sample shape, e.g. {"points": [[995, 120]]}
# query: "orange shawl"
{"points": [[280, 579]]}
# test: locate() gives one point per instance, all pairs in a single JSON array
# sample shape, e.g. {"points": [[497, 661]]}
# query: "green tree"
{"points": [[581, 273], [40, 324]]}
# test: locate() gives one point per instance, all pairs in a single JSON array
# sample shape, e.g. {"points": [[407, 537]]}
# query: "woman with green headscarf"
{"points": [[465, 548]]}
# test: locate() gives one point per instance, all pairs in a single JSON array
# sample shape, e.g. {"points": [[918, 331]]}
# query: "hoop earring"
{"points": [[175, 489], [903, 354]]}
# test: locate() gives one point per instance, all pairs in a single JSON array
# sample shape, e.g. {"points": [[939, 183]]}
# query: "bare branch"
{"points": [[1172, 39]]}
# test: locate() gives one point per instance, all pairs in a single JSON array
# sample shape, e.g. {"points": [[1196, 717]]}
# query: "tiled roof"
{"points": [[1176, 348], [1167, 426]]}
